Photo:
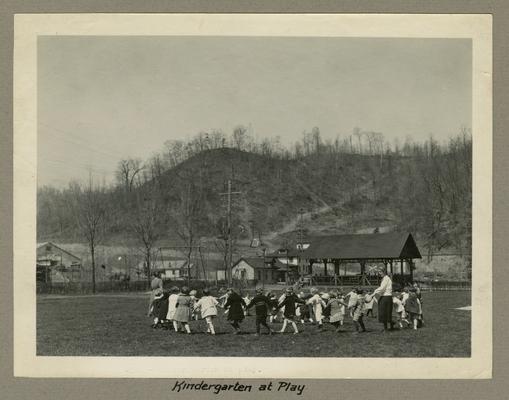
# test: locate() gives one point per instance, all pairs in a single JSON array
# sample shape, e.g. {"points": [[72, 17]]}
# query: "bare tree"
{"points": [[127, 171], [147, 221], [240, 137], [186, 219], [358, 134], [89, 207]]}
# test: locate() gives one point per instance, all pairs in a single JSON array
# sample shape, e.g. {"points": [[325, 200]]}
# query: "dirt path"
{"points": [[293, 224]]}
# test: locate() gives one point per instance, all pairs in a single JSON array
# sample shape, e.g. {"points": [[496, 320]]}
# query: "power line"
{"points": [[79, 141]]}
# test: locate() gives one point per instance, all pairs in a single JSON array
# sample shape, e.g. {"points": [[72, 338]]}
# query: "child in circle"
{"points": [[318, 305], [358, 311], [172, 302], [261, 305], [207, 306], [413, 307], [183, 309], [235, 307], [289, 302], [337, 307]]}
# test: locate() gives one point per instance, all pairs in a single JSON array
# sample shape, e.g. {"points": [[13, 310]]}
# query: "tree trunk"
{"points": [[147, 259], [92, 254]]}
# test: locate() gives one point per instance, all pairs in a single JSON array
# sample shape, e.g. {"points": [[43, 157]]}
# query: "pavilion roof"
{"points": [[393, 245]]}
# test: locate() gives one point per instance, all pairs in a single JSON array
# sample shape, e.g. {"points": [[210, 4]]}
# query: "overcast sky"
{"points": [[104, 98]]}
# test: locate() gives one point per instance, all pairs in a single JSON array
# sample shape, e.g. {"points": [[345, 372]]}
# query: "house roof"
{"points": [[39, 245], [391, 245], [255, 262]]}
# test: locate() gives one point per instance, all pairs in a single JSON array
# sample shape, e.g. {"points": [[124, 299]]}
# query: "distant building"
{"points": [[175, 268], [256, 269], [54, 264]]}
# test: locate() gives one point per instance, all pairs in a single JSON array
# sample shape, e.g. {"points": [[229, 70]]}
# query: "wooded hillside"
{"points": [[356, 184]]}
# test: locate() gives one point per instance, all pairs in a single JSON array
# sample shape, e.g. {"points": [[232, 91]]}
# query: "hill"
{"points": [[426, 190]]}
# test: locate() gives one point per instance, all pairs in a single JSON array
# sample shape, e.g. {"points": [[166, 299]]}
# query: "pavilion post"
{"points": [[363, 273], [402, 272], [411, 267], [325, 267], [336, 267]]}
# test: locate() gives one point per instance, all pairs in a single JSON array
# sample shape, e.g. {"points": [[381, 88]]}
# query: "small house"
{"points": [[255, 269], [54, 264]]}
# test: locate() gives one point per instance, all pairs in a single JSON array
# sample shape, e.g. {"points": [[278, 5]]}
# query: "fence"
{"points": [[86, 287], [446, 285], [137, 286], [117, 286]]}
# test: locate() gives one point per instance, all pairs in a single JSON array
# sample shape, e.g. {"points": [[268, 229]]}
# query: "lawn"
{"points": [[116, 325]]}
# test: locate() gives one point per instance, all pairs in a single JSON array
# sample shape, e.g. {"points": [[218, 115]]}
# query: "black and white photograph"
{"points": [[264, 196]]}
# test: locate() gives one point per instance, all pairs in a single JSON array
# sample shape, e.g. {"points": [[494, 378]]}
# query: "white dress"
{"points": [[317, 303], [172, 303]]}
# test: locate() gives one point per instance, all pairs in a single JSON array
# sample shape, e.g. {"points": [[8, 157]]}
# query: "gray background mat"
{"points": [[131, 389]]}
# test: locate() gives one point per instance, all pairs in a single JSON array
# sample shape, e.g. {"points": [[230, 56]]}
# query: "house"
{"points": [[171, 267], [258, 269], [54, 264]]}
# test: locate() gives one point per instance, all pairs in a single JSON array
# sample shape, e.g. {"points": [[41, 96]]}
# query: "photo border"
{"points": [[28, 27]]}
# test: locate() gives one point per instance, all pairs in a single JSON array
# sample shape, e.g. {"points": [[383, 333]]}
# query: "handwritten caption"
{"points": [[217, 388]]}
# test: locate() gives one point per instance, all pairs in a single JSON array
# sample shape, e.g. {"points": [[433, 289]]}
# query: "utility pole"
{"points": [[301, 240], [229, 194]]}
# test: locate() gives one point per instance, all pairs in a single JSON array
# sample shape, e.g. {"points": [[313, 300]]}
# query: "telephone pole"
{"points": [[301, 241], [229, 194]]}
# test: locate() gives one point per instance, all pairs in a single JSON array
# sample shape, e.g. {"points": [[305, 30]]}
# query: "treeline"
{"points": [[422, 187]]}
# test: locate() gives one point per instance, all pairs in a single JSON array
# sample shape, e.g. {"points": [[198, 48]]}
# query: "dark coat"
{"points": [[160, 306], [235, 305], [260, 302], [289, 304]]}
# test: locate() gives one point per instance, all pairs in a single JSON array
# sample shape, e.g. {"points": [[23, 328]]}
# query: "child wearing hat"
{"points": [[207, 305], [261, 305], [289, 302], [183, 309]]}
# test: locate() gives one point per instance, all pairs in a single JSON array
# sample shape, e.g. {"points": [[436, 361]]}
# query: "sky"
{"points": [[101, 99]]}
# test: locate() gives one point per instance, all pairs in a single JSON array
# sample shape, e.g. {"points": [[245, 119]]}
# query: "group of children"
{"points": [[177, 307]]}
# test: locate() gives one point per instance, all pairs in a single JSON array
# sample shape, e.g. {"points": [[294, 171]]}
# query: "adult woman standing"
{"points": [[235, 305], [385, 300]]}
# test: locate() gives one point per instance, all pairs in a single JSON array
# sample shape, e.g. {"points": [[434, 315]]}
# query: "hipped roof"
{"points": [[391, 245]]}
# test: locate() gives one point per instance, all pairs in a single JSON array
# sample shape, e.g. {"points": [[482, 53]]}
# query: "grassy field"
{"points": [[116, 325]]}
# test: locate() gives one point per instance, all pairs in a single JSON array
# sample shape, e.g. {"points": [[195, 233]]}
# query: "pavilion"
{"points": [[392, 250]]}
